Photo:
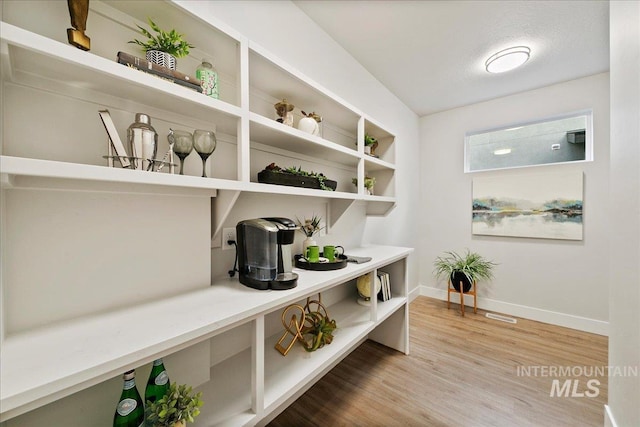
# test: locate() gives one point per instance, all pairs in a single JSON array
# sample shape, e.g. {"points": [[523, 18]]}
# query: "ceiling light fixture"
{"points": [[507, 59], [502, 152]]}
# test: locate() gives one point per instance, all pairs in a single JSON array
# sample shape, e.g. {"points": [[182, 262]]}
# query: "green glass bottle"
{"points": [[130, 410], [158, 383]]}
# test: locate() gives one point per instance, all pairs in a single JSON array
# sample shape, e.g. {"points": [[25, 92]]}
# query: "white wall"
{"points": [[624, 295], [288, 33], [563, 282]]}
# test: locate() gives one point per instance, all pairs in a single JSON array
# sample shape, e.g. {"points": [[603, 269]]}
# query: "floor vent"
{"points": [[501, 318]]}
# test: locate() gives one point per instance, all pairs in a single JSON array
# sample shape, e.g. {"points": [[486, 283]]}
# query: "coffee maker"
{"points": [[264, 253]]}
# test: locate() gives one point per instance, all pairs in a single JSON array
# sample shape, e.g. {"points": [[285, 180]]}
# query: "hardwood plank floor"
{"points": [[469, 371]]}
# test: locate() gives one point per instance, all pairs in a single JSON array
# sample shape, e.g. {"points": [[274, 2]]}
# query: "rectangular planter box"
{"points": [[279, 178]]}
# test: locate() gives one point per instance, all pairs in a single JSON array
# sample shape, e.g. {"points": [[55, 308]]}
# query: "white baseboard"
{"points": [[546, 316], [609, 421], [414, 293]]}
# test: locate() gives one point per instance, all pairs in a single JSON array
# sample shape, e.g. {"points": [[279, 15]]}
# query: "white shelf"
{"points": [[25, 53], [229, 405], [373, 164], [92, 349], [272, 133]]}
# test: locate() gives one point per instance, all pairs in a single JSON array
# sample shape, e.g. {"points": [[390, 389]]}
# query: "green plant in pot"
{"points": [[463, 269], [178, 407], [164, 47]]}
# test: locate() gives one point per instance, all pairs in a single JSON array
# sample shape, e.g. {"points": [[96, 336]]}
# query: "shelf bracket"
{"points": [[221, 206], [336, 208]]}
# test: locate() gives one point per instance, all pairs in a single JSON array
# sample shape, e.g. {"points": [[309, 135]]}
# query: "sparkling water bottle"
{"points": [[130, 410], [158, 383]]}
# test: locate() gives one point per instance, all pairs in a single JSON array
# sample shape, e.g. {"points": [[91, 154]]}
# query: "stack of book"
{"points": [[385, 289], [157, 70]]}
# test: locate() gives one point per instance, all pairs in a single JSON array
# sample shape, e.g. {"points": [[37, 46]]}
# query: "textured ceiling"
{"points": [[431, 54]]}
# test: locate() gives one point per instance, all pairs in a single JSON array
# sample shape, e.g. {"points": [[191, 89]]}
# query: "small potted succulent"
{"points": [[164, 47], [464, 269], [175, 409], [369, 182], [370, 144]]}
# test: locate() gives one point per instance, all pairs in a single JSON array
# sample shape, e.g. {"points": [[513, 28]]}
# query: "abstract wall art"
{"points": [[545, 206]]}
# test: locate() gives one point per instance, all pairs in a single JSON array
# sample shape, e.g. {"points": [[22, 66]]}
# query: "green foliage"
{"points": [[170, 42], [369, 140], [298, 171], [369, 182], [472, 265], [178, 404]]}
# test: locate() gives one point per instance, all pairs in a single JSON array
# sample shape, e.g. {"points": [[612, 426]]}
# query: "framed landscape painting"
{"points": [[545, 206]]}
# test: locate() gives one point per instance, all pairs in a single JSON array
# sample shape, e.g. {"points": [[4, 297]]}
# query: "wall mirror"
{"points": [[561, 139]]}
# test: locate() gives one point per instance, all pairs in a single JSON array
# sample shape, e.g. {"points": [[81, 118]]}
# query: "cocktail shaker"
{"points": [[143, 142]]}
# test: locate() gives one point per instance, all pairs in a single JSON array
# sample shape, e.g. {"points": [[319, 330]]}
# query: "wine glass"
{"points": [[182, 145], [204, 141]]}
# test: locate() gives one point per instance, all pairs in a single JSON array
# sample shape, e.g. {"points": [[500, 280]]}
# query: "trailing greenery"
{"points": [[298, 171], [170, 42], [473, 265], [178, 405]]}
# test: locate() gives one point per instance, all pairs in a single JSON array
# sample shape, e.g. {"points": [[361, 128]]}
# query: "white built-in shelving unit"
{"points": [[67, 156]]}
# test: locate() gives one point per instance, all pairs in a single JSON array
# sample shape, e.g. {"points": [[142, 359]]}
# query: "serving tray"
{"points": [[340, 262]]}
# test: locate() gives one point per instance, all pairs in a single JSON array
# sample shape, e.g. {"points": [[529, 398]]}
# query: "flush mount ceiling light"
{"points": [[502, 152], [507, 59]]}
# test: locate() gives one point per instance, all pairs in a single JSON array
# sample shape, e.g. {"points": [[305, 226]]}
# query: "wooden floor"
{"points": [[461, 372]]}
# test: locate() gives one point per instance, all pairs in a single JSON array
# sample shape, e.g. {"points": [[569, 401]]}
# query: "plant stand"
{"points": [[472, 291]]}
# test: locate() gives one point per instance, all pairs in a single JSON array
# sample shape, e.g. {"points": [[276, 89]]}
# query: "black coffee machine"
{"points": [[264, 253]]}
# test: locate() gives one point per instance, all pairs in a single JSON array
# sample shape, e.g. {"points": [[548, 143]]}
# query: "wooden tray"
{"points": [[340, 262]]}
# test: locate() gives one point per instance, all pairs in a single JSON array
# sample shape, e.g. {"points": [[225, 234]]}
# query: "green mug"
{"points": [[331, 253], [313, 254]]}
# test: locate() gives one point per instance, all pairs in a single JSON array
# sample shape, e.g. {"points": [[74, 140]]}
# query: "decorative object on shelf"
{"points": [[369, 182], [78, 11], [142, 139], [370, 145], [159, 71], [168, 156], [364, 288], [175, 409], [204, 142], [285, 114], [310, 123], [130, 409], [114, 141], [463, 269], [182, 145], [164, 47], [208, 77], [310, 325], [158, 383], [309, 228], [295, 177]]}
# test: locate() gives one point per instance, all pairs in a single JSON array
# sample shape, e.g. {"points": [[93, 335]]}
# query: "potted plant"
{"points": [[164, 47], [296, 177], [369, 182], [175, 409], [370, 144], [465, 268]]}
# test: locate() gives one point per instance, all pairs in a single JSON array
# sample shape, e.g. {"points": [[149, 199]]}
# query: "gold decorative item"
{"points": [[284, 110], [78, 10], [313, 329]]}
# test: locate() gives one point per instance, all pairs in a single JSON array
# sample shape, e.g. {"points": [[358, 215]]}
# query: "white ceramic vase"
{"points": [[309, 125]]}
